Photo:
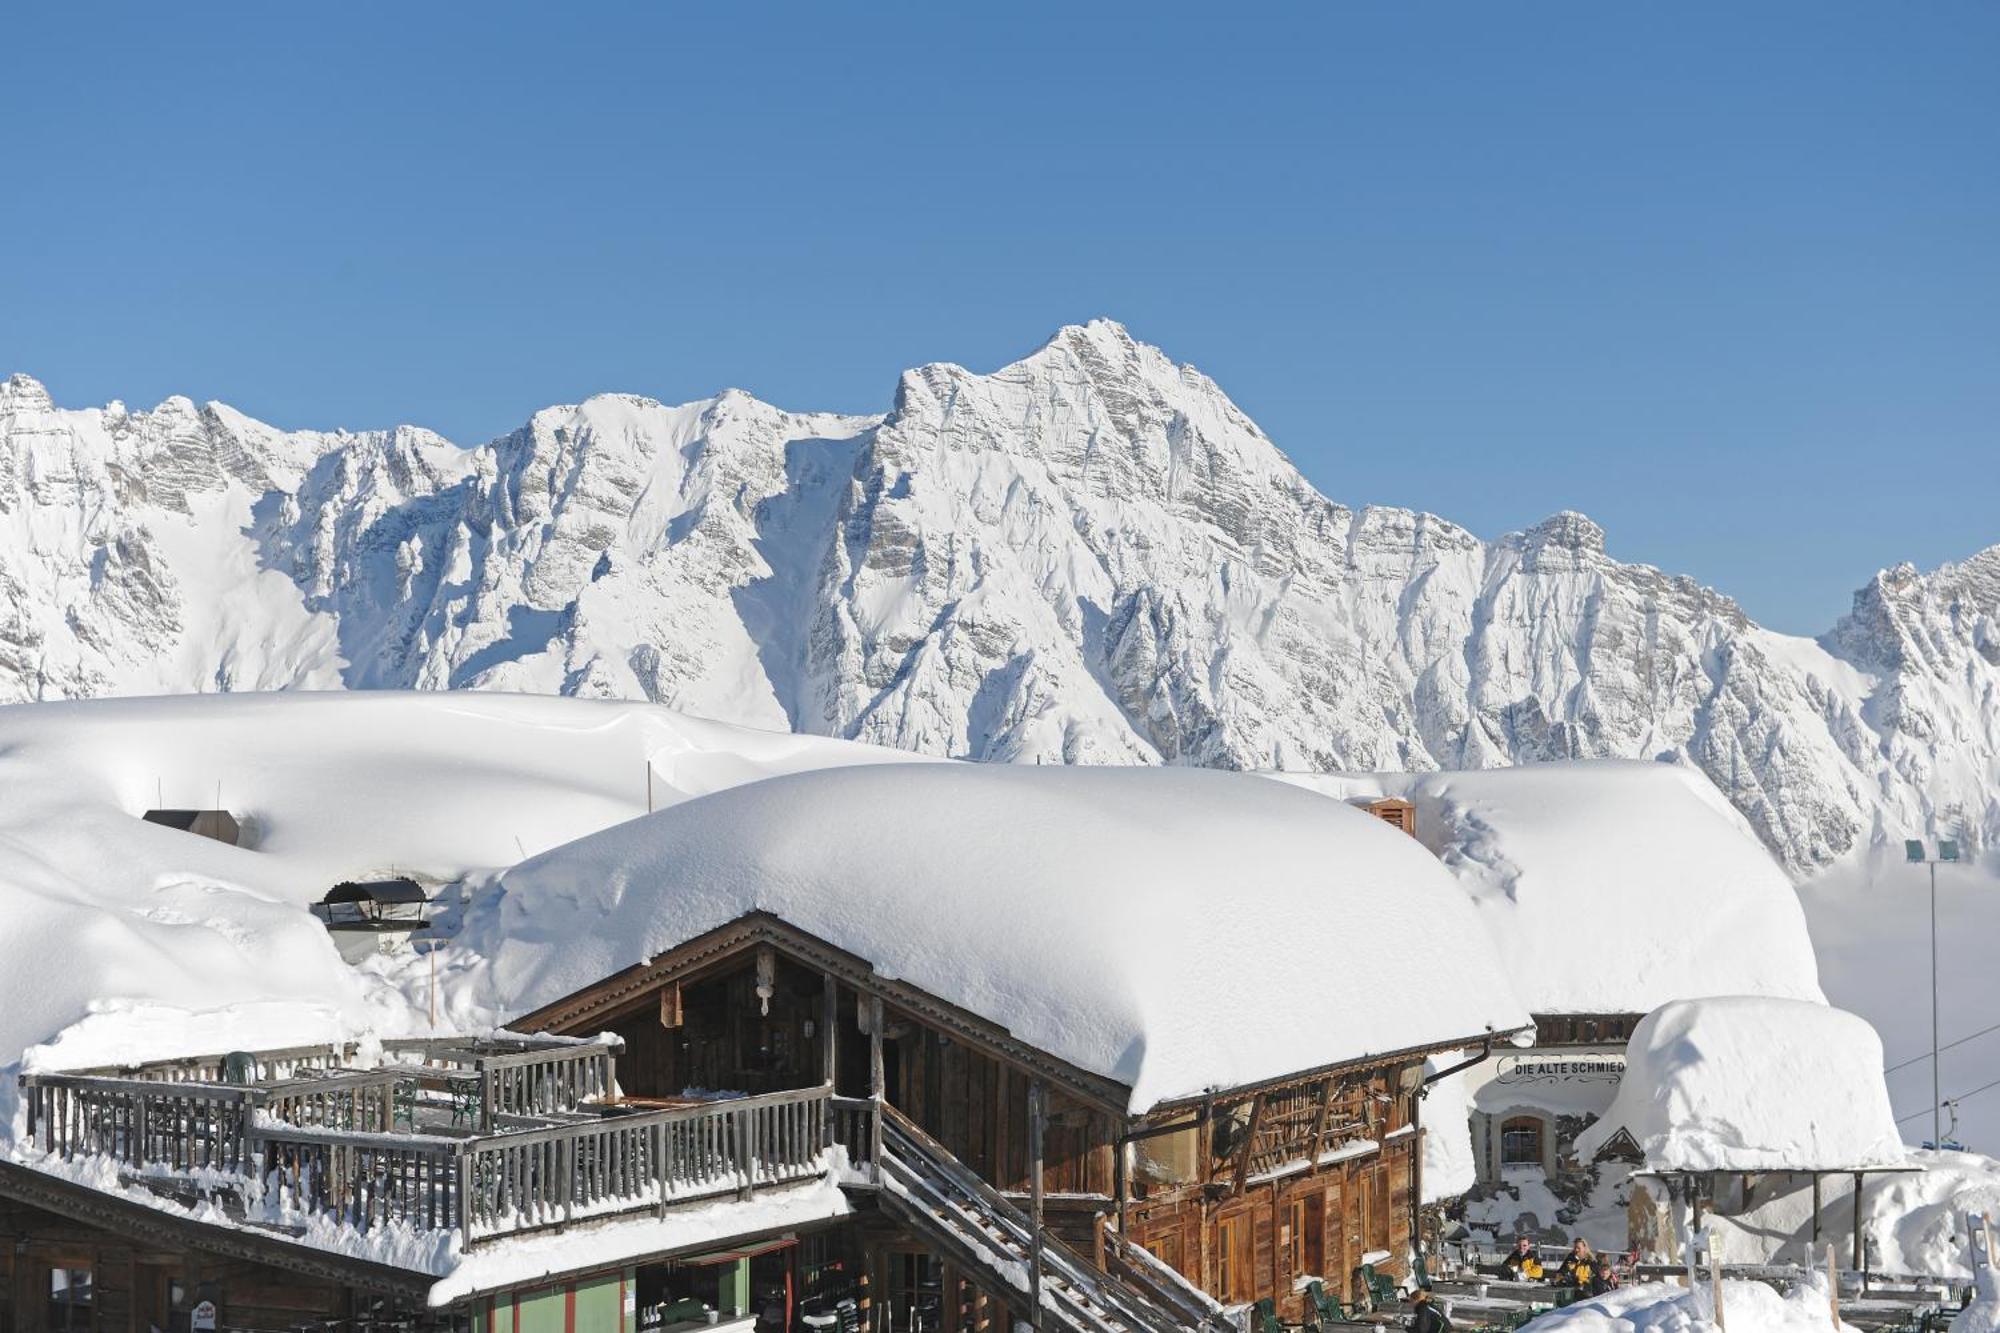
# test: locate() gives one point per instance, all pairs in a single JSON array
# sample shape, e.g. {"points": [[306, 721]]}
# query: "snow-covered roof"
{"points": [[133, 940], [1172, 929], [1749, 1083], [1610, 886]]}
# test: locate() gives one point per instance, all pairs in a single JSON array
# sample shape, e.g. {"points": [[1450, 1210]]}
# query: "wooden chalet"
{"points": [[790, 1118], [1243, 1193]]}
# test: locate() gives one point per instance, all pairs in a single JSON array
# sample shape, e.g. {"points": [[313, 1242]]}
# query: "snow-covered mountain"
{"points": [[1091, 555]]}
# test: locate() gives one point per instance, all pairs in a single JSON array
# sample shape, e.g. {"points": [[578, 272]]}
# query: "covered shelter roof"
{"points": [[400, 890], [1173, 930], [1750, 1083]]}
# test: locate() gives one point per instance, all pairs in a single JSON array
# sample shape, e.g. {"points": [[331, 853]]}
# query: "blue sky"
{"points": [[1725, 277]]}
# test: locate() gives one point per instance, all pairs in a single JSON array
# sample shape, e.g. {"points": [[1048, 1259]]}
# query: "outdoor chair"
{"points": [[1326, 1309]]}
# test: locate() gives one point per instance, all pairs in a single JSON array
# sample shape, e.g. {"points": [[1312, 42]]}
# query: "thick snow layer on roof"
{"points": [[1611, 886], [1172, 929], [1748, 1083], [135, 941]]}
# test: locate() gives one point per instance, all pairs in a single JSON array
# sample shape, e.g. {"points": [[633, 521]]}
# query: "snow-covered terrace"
{"points": [[483, 1137]]}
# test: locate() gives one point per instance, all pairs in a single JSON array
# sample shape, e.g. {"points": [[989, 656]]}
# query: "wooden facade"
{"points": [[1243, 1195], [802, 1054]]}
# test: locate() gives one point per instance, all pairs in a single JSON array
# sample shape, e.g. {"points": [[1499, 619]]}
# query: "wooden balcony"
{"points": [[443, 1136]]}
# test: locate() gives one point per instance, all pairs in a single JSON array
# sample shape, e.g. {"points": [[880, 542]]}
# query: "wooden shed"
{"points": [[1395, 810]]}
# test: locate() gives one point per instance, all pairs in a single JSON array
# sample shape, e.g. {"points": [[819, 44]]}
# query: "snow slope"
{"points": [[1069, 905], [1088, 555], [126, 939], [1573, 866], [1749, 1083]]}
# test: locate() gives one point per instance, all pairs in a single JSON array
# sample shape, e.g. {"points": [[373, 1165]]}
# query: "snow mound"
{"points": [[1749, 1083], [1566, 861], [134, 940], [1173, 929], [1665, 1307]]}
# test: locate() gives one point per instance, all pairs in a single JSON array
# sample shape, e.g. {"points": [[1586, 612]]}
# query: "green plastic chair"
{"points": [[1264, 1317], [1328, 1310], [1381, 1288]]}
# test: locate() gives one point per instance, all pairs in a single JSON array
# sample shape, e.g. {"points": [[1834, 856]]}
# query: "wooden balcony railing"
{"points": [[328, 1147]]}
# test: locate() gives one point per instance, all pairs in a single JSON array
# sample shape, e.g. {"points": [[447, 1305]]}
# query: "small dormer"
{"points": [[1395, 810], [217, 824]]}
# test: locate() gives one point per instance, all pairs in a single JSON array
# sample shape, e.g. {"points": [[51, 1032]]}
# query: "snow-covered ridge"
{"points": [[1090, 555]]}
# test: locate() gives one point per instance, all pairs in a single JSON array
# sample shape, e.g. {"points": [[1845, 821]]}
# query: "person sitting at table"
{"points": [[1427, 1317], [1580, 1269], [1521, 1263]]}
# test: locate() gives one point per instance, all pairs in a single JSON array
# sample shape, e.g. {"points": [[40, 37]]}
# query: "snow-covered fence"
{"points": [[359, 1100], [364, 1179], [328, 1143], [181, 1126], [524, 1181], [540, 1082]]}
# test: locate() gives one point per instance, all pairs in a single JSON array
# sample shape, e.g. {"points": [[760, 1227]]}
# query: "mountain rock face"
{"points": [[1090, 556]]}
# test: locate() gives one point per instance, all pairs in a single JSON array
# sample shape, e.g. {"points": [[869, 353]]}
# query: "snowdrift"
{"points": [[1610, 886], [1748, 1083], [1078, 907], [140, 939], [1665, 1307]]}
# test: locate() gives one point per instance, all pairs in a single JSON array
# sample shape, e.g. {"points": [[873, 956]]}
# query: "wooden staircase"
{"points": [[937, 1197]]}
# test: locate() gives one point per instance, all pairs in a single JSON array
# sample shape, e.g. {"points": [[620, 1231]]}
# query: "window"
{"points": [[1305, 1220], [70, 1299], [1233, 1264], [1521, 1142]]}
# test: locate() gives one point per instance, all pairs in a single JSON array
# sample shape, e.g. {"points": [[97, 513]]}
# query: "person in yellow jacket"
{"points": [[1579, 1268], [1521, 1262]]}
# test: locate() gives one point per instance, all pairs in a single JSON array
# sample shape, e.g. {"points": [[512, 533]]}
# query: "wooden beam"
{"points": [[1316, 1145], [672, 1014], [1249, 1142]]}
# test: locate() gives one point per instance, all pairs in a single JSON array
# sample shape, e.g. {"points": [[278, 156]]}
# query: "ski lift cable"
{"points": [[1984, 1087], [1919, 1059]]}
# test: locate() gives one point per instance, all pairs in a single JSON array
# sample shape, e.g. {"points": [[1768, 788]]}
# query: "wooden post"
{"points": [[1715, 1281], [1037, 1120], [1858, 1177], [829, 1015], [877, 1082], [1833, 1286], [1815, 1207], [1121, 1147]]}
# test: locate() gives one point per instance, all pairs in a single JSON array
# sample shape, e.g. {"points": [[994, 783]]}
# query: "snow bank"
{"points": [[1577, 867], [132, 940], [1982, 1313], [1665, 1307], [1749, 1083], [1173, 929]]}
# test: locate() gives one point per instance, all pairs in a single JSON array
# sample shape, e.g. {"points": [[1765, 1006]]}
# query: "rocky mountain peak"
{"points": [[24, 393], [1089, 555]]}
